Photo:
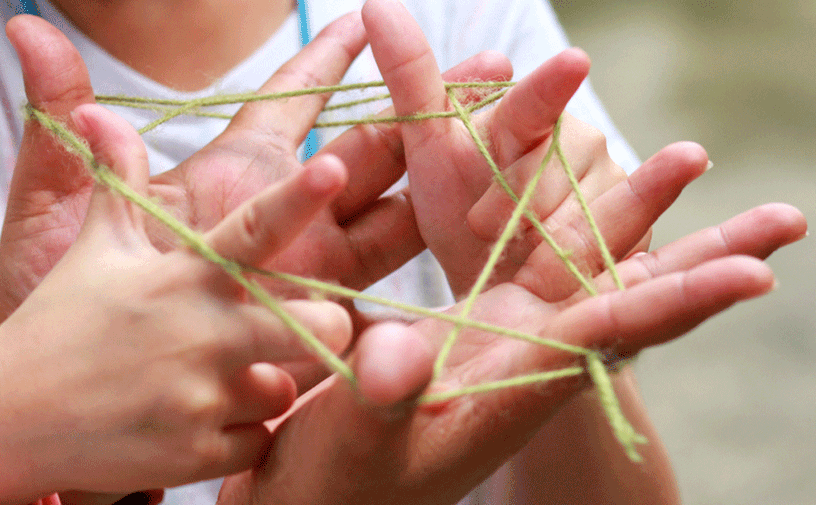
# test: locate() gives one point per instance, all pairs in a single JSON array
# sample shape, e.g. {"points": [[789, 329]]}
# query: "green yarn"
{"points": [[564, 256], [103, 175], [621, 427], [596, 370], [609, 262], [495, 254], [524, 380]]}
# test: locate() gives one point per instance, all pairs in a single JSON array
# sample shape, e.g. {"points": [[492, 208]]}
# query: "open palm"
{"points": [[337, 449]]}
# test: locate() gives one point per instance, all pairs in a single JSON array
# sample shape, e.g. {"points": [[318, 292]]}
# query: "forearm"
{"points": [[575, 459]]}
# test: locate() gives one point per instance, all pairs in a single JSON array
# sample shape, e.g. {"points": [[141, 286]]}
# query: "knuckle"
{"points": [[254, 229], [72, 95], [596, 141], [389, 137], [303, 78], [580, 239], [182, 409], [200, 404]]}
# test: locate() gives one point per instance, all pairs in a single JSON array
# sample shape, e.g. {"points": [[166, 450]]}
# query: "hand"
{"points": [[448, 175], [335, 448], [47, 206], [461, 212], [128, 368], [358, 240]]}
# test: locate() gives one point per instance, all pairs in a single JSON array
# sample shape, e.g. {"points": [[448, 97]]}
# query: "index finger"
{"points": [[407, 64], [529, 111], [322, 62], [265, 224]]}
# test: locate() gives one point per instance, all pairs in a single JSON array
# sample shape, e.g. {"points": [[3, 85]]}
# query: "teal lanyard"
{"points": [[30, 7], [312, 143]]}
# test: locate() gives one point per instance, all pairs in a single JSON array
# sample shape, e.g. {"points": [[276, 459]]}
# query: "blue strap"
{"points": [[30, 7], [312, 144], [303, 16]]}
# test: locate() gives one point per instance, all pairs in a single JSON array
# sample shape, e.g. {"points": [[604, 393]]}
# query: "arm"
{"points": [[129, 369], [385, 449], [532, 107], [573, 459]]}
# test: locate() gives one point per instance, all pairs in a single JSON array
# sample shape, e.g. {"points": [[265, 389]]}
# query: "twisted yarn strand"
{"points": [[595, 367]]}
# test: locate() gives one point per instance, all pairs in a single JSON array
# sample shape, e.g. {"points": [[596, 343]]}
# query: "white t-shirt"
{"points": [[526, 31]]}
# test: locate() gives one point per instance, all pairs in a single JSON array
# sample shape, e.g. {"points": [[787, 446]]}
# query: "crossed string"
{"points": [[594, 360]]}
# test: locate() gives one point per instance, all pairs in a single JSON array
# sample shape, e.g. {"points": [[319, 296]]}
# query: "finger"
{"points": [[56, 82], [757, 232], [623, 214], [268, 222], [257, 335], [235, 449], [663, 308], [530, 109], [114, 143], [56, 79], [641, 246], [383, 230], [384, 238], [584, 147], [374, 153], [322, 62], [118, 149], [262, 392], [392, 365], [407, 65]]}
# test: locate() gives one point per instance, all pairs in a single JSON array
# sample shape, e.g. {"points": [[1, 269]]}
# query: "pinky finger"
{"points": [[664, 308]]}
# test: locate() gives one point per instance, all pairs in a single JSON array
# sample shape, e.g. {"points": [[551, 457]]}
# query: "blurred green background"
{"points": [[735, 401]]}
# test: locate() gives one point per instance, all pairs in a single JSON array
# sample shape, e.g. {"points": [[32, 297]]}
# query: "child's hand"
{"points": [[128, 368], [356, 242], [333, 449], [336, 449], [448, 175], [50, 188]]}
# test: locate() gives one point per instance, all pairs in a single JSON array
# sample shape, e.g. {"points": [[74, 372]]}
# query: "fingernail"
{"points": [[709, 165]]}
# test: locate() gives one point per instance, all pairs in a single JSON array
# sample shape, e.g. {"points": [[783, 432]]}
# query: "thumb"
{"points": [[392, 363], [49, 190], [346, 444], [117, 148], [56, 82]]}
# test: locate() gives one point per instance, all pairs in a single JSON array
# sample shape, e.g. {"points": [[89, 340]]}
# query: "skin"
{"points": [[185, 45], [258, 131], [191, 390]]}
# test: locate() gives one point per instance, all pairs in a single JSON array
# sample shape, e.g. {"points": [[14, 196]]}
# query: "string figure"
{"points": [[594, 362]]}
